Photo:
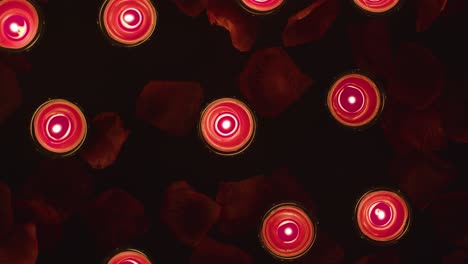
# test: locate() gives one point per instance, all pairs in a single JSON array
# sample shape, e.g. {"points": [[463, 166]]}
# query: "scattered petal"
{"points": [[105, 140], [449, 218], [64, 184], [454, 109], [229, 15], [311, 23], [325, 250], [211, 251], [388, 256], [371, 46], [17, 62], [455, 7], [115, 218], [188, 214], [411, 171], [10, 92], [6, 211], [21, 246], [428, 12], [173, 107], [419, 77], [271, 81], [456, 257], [190, 7]]}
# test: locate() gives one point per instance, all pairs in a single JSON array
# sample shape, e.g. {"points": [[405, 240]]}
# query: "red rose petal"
{"points": [[388, 256], [428, 12], [105, 141], [17, 62], [456, 257], [229, 15], [413, 130], [115, 218], [450, 218], [21, 246], [419, 77], [455, 7], [6, 211], [63, 184], [412, 170], [10, 92], [311, 23], [190, 7], [173, 107], [271, 81], [188, 214], [372, 51], [454, 108], [211, 251], [325, 250]]}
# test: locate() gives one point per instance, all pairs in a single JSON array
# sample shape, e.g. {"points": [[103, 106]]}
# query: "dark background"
{"points": [[75, 61]]}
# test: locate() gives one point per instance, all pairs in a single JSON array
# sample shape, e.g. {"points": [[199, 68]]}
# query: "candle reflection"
{"points": [[130, 256], [376, 6], [261, 7]]}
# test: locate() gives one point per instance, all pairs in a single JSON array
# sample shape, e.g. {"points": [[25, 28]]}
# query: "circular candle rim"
{"points": [[48, 152], [122, 250], [407, 223], [246, 145], [368, 13], [261, 13], [37, 36], [275, 206], [114, 42], [380, 89]]}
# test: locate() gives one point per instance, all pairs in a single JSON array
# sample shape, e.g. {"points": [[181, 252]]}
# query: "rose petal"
{"points": [[456, 257], [428, 12], [211, 251], [454, 109], [325, 250], [229, 15], [188, 214], [311, 23], [387, 256], [21, 246], [105, 141], [454, 7], [17, 62], [173, 107], [63, 184], [190, 7], [10, 92], [372, 50], [271, 81], [419, 77], [449, 218], [115, 218], [413, 130], [412, 170], [6, 211]]}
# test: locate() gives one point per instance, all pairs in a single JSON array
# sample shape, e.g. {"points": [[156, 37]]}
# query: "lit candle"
{"points": [[287, 231], [227, 126], [261, 6], [59, 126], [354, 100], [382, 215], [130, 256], [20, 24], [128, 22], [376, 6]]}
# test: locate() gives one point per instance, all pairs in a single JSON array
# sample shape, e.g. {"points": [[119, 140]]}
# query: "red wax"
{"points": [[262, 6], [19, 23], [128, 22], [227, 125], [59, 126], [354, 100], [382, 215], [129, 257], [376, 6], [287, 231]]}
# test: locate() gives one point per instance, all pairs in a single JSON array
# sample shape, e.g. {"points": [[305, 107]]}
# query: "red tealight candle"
{"points": [[228, 126], [354, 100], [382, 215], [130, 256], [287, 231], [376, 6], [59, 126], [128, 22], [20, 24], [261, 6]]}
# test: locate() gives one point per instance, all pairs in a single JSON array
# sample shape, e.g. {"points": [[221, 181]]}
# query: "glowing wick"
{"points": [[57, 128], [288, 231], [129, 18], [14, 27], [380, 214], [226, 124], [352, 99]]}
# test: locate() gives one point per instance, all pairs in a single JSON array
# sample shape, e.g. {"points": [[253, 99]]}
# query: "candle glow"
{"points": [[59, 126], [382, 215], [354, 100], [128, 22], [287, 231], [261, 6], [129, 257], [227, 125], [20, 24], [376, 6]]}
